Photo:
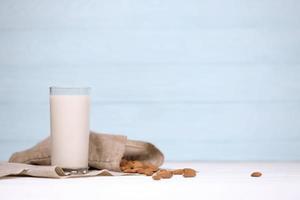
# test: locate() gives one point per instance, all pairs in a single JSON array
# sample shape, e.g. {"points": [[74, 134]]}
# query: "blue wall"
{"points": [[204, 80]]}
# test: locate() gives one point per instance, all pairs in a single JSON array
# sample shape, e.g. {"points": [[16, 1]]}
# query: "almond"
{"points": [[123, 163], [256, 174], [148, 172], [165, 173], [129, 171], [140, 171], [178, 171], [188, 172], [156, 177], [137, 164]]}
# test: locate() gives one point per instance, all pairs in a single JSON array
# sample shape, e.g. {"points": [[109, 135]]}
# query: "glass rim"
{"points": [[59, 87], [56, 90]]}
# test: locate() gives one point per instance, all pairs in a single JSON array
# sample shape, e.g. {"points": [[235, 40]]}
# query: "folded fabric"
{"points": [[105, 152], [20, 169]]}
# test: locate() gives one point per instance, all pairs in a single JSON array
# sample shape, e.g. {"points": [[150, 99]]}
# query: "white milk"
{"points": [[69, 130]]}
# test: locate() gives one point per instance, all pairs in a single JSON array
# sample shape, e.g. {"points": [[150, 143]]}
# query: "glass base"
{"points": [[69, 171]]}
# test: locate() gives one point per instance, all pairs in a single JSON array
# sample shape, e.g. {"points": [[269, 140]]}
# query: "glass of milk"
{"points": [[69, 116]]}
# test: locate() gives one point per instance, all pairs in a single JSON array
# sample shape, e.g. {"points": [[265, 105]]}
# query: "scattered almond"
{"points": [[152, 167], [129, 171], [148, 172], [256, 174], [156, 177], [123, 162], [137, 164], [148, 169], [140, 171], [178, 171], [188, 172], [165, 173]]}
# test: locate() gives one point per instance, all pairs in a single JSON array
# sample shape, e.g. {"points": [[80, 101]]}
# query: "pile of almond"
{"points": [[135, 166]]}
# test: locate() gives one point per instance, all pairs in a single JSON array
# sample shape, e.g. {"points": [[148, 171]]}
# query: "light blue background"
{"points": [[202, 79]]}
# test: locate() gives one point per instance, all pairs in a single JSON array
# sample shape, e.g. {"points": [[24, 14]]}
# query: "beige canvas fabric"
{"points": [[105, 152], [47, 171]]}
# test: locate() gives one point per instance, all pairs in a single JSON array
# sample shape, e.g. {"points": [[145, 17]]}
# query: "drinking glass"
{"points": [[69, 119]]}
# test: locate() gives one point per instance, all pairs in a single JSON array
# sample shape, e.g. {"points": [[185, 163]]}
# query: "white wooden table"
{"points": [[215, 180]]}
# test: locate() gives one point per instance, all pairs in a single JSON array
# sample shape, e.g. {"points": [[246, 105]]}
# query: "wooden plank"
{"points": [[155, 83], [90, 47], [183, 132], [203, 122], [145, 14]]}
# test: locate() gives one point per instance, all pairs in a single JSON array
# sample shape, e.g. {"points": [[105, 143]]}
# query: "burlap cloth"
{"points": [[105, 154]]}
